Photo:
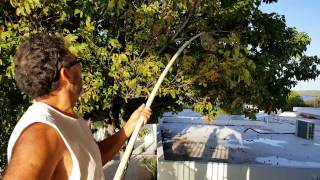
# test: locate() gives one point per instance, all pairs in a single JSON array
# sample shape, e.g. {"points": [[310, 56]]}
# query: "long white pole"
{"points": [[119, 174]]}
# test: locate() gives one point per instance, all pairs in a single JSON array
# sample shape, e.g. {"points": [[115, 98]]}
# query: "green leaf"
{"points": [[123, 58], [121, 4], [126, 74], [115, 87], [71, 38], [89, 24], [138, 91], [114, 43], [37, 3], [63, 16], [132, 83], [173, 94], [246, 75], [111, 4], [27, 7], [77, 11]]}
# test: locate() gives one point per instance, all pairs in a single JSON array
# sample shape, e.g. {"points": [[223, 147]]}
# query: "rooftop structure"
{"points": [[233, 147]]}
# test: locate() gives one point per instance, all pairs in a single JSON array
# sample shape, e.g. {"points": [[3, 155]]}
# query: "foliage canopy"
{"points": [[250, 57]]}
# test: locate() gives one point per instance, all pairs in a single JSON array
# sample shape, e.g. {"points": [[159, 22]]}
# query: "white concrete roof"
{"points": [[288, 114], [240, 144]]}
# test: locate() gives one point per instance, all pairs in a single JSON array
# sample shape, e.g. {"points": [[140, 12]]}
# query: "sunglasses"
{"points": [[66, 64], [72, 63]]}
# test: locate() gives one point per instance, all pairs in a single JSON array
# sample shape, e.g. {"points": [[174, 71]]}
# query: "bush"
{"points": [[294, 100], [313, 102]]}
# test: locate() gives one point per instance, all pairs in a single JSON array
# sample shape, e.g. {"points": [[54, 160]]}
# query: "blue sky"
{"points": [[305, 16]]}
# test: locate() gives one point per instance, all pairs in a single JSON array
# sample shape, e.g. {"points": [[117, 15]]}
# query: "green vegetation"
{"points": [[250, 57], [315, 93], [294, 100], [143, 132], [151, 165], [313, 102]]}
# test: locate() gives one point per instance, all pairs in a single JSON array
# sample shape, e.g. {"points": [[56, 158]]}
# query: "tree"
{"points": [[313, 102], [294, 100], [249, 57]]}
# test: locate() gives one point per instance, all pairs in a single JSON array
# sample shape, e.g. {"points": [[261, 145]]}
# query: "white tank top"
{"points": [[85, 154]]}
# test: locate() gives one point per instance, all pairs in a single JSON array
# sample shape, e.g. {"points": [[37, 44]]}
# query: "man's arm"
{"points": [[110, 146], [36, 153]]}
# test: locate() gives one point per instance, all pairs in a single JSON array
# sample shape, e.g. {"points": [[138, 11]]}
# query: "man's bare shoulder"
{"points": [[39, 135], [36, 153]]}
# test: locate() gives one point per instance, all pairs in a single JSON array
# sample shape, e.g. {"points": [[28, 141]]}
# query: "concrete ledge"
{"points": [[190, 170], [221, 120], [307, 111]]}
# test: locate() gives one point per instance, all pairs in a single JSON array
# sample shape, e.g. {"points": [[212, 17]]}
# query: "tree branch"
{"points": [[180, 29]]}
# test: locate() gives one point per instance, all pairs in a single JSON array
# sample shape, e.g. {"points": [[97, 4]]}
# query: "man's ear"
{"points": [[65, 75]]}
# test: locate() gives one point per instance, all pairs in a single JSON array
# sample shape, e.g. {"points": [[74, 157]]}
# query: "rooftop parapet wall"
{"points": [[307, 111]]}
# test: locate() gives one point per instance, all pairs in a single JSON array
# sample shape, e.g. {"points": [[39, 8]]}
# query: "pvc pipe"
{"points": [[119, 173]]}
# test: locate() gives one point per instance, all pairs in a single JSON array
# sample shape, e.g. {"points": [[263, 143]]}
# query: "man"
{"points": [[51, 141]]}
